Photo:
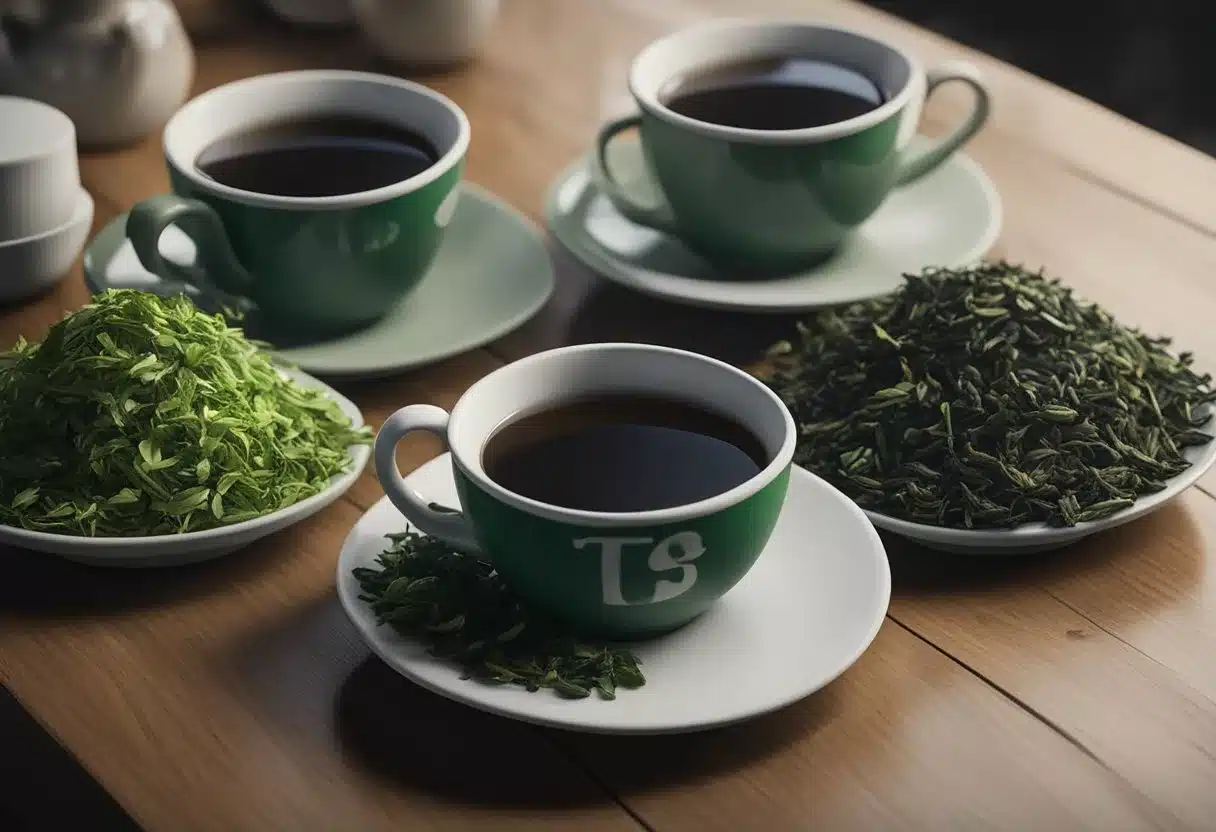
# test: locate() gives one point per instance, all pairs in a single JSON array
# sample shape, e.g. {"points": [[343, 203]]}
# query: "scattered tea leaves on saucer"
{"points": [[459, 607], [140, 415], [987, 398]]}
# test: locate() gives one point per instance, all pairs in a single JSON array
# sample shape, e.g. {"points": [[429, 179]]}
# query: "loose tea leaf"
{"points": [[140, 415], [987, 398], [460, 608]]}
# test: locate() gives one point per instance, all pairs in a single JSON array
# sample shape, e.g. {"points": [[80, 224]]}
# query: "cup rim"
{"points": [[780, 461], [187, 169], [646, 95]]}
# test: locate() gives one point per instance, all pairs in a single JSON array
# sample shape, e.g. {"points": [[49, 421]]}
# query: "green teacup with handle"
{"points": [[771, 141], [325, 201], [620, 574]]}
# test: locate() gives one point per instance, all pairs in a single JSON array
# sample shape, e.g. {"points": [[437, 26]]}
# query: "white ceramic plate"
{"points": [[1039, 537], [176, 549], [950, 217], [805, 612]]}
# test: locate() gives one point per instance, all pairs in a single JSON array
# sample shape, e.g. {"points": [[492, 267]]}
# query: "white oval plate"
{"points": [[1039, 537], [191, 547], [802, 616]]}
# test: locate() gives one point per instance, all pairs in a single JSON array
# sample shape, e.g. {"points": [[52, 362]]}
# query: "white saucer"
{"points": [[193, 547], [491, 275], [807, 611], [950, 218], [1039, 537]]}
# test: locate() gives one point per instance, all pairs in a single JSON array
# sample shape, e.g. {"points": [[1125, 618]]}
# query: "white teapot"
{"points": [[117, 68]]}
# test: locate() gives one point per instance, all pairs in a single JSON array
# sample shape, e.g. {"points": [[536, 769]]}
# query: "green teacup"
{"points": [[618, 574], [762, 201], [317, 264]]}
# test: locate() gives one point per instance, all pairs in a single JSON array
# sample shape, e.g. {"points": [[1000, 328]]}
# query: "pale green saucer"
{"points": [[950, 217], [491, 275]]}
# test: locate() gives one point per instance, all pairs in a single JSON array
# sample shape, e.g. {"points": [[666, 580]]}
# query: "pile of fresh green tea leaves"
{"points": [[140, 415], [459, 607], [988, 398]]}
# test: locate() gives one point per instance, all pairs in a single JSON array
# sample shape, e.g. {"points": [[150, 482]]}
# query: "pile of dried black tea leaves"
{"points": [[987, 398]]}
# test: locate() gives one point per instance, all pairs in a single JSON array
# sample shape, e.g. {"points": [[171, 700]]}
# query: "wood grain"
{"points": [[37, 778], [907, 739], [1154, 591], [236, 695], [1073, 691], [1110, 644]]}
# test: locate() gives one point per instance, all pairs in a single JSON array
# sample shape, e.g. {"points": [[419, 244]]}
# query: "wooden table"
{"points": [[1076, 691]]}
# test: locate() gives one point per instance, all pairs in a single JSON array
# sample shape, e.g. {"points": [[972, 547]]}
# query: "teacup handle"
{"points": [[915, 165], [448, 525], [658, 217], [217, 274]]}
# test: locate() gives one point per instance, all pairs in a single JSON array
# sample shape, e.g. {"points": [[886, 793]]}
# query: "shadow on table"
{"points": [[632, 765], [42, 585], [311, 678], [586, 309], [407, 735], [314, 685], [1171, 534]]}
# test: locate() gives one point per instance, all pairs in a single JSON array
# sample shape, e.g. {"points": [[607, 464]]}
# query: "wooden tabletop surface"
{"points": [[1071, 691]]}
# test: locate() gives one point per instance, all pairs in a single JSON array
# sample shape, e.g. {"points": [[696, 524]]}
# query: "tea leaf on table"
{"points": [[459, 607], [141, 415], [987, 398]]}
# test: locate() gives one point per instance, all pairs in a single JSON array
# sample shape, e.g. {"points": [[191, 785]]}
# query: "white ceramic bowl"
{"points": [[191, 547], [39, 175], [1039, 537], [313, 12], [33, 264], [425, 32]]}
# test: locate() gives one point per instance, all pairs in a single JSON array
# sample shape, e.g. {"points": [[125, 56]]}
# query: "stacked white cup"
{"points": [[45, 214]]}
